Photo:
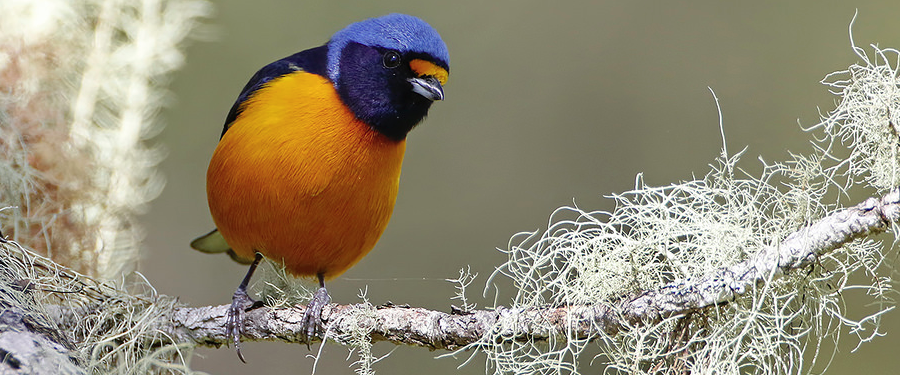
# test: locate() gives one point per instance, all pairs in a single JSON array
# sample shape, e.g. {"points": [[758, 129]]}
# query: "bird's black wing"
{"points": [[313, 60]]}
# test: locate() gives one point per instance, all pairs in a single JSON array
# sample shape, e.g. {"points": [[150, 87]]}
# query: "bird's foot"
{"points": [[312, 325], [234, 324]]}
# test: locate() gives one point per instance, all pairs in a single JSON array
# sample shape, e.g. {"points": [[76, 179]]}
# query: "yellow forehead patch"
{"points": [[427, 68]]}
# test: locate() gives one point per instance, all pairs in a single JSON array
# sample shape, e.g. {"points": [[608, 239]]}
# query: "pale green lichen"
{"points": [[110, 330], [862, 132], [461, 284], [82, 82], [659, 235]]}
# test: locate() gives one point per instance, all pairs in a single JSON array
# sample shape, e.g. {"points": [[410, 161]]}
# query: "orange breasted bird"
{"points": [[307, 168]]}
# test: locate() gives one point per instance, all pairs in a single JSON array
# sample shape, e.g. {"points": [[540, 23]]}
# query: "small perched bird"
{"points": [[307, 168]]}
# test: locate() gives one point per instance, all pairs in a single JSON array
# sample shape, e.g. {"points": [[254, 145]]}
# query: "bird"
{"points": [[307, 168]]}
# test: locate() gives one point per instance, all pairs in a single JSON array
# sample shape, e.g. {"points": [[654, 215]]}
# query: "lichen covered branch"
{"points": [[450, 331]]}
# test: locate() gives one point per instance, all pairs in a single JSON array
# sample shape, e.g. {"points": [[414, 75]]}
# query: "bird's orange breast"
{"points": [[298, 178]]}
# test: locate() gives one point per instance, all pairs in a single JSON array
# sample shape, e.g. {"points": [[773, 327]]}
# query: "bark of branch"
{"points": [[31, 345], [441, 330]]}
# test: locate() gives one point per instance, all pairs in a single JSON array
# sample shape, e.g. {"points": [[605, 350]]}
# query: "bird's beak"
{"points": [[427, 86]]}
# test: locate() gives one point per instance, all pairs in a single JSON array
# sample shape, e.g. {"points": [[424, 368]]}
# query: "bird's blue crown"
{"points": [[394, 31]]}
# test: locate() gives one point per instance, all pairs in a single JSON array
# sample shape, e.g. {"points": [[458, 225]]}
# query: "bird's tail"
{"points": [[213, 242]]}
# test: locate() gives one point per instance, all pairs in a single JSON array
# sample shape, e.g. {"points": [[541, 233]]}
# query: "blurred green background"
{"points": [[548, 103]]}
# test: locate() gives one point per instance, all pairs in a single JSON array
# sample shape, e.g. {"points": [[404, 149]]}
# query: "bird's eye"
{"points": [[391, 59]]}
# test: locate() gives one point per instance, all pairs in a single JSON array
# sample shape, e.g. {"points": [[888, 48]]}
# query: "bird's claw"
{"points": [[234, 323], [312, 325]]}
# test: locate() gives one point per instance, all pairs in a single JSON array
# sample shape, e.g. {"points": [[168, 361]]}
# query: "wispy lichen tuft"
{"points": [[462, 283], [661, 235], [111, 330], [863, 132], [81, 83]]}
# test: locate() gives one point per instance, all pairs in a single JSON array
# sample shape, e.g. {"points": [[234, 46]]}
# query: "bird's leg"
{"points": [[240, 303], [312, 317]]}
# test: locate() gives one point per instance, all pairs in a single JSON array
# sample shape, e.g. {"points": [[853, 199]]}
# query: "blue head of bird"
{"points": [[388, 70]]}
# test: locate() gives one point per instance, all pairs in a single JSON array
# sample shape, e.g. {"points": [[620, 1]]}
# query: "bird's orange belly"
{"points": [[303, 181]]}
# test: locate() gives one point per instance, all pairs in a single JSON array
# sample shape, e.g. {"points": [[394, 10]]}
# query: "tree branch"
{"points": [[440, 330], [149, 323]]}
